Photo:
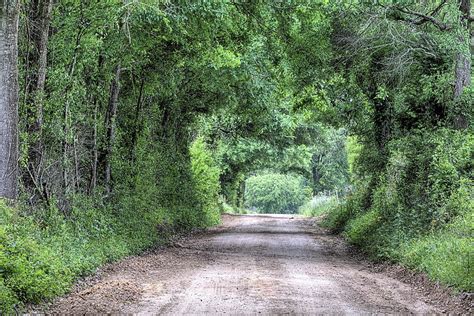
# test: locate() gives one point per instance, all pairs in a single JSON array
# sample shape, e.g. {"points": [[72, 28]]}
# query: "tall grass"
{"points": [[319, 204]]}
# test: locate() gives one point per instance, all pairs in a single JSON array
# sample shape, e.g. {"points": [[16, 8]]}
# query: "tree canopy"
{"points": [[161, 109]]}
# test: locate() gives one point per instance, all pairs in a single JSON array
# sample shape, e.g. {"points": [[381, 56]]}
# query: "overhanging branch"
{"points": [[423, 18]]}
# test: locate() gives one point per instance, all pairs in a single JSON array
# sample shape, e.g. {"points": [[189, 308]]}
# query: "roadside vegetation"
{"points": [[42, 253], [319, 204], [419, 212], [126, 121]]}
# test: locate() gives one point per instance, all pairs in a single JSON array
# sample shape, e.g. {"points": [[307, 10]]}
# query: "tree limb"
{"points": [[425, 18], [438, 8]]}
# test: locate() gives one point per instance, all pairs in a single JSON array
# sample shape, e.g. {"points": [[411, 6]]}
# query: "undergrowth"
{"points": [[42, 254], [44, 250], [420, 211]]}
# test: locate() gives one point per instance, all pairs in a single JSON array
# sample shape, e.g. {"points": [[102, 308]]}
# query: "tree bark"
{"points": [[95, 152], [110, 125], [463, 60], [9, 98], [47, 6]]}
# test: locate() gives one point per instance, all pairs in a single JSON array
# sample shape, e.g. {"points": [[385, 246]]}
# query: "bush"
{"points": [[8, 300], [41, 255], [337, 217], [275, 193], [28, 271], [206, 182], [360, 227], [42, 252]]}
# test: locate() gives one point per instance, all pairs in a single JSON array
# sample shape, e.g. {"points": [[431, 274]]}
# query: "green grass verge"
{"points": [[445, 255], [42, 254]]}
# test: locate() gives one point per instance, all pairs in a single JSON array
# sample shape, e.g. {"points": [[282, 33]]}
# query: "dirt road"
{"points": [[248, 265]]}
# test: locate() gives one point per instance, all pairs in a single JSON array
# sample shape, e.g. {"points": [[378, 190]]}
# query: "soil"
{"points": [[258, 265]]}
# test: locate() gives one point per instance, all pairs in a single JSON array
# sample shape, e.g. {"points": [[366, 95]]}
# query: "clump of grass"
{"points": [[318, 205]]}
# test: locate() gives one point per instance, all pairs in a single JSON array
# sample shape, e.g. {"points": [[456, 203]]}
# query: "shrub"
{"points": [[42, 254], [275, 193], [8, 300], [337, 217], [360, 227], [29, 271], [206, 182]]}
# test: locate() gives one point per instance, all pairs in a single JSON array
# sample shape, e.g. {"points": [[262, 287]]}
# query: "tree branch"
{"points": [[438, 8], [425, 18]]}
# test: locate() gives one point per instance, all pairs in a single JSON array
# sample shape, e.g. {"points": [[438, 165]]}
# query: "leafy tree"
{"points": [[275, 193]]}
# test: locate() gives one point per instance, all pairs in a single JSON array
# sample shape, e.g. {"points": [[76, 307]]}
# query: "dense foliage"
{"points": [[275, 193], [42, 254], [139, 118], [413, 171]]}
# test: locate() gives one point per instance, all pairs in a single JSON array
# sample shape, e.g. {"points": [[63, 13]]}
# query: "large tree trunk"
{"points": [[8, 98], [110, 125]]}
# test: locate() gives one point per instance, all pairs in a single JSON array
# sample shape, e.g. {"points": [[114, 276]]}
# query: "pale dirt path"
{"points": [[248, 265]]}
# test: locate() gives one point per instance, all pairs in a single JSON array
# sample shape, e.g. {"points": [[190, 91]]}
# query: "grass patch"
{"points": [[447, 256], [318, 205]]}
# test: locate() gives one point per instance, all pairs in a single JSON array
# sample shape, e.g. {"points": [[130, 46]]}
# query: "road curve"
{"points": [[248, 265]]}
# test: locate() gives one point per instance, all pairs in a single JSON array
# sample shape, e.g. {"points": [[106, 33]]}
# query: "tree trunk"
{"points": [[77, 175], [241, 195], [47, 6], [316, 175], [40, 16], [95, 152], [65, 146], [9, 98], [110, 125], [42, 47], [463, 60], [463, 74]]}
